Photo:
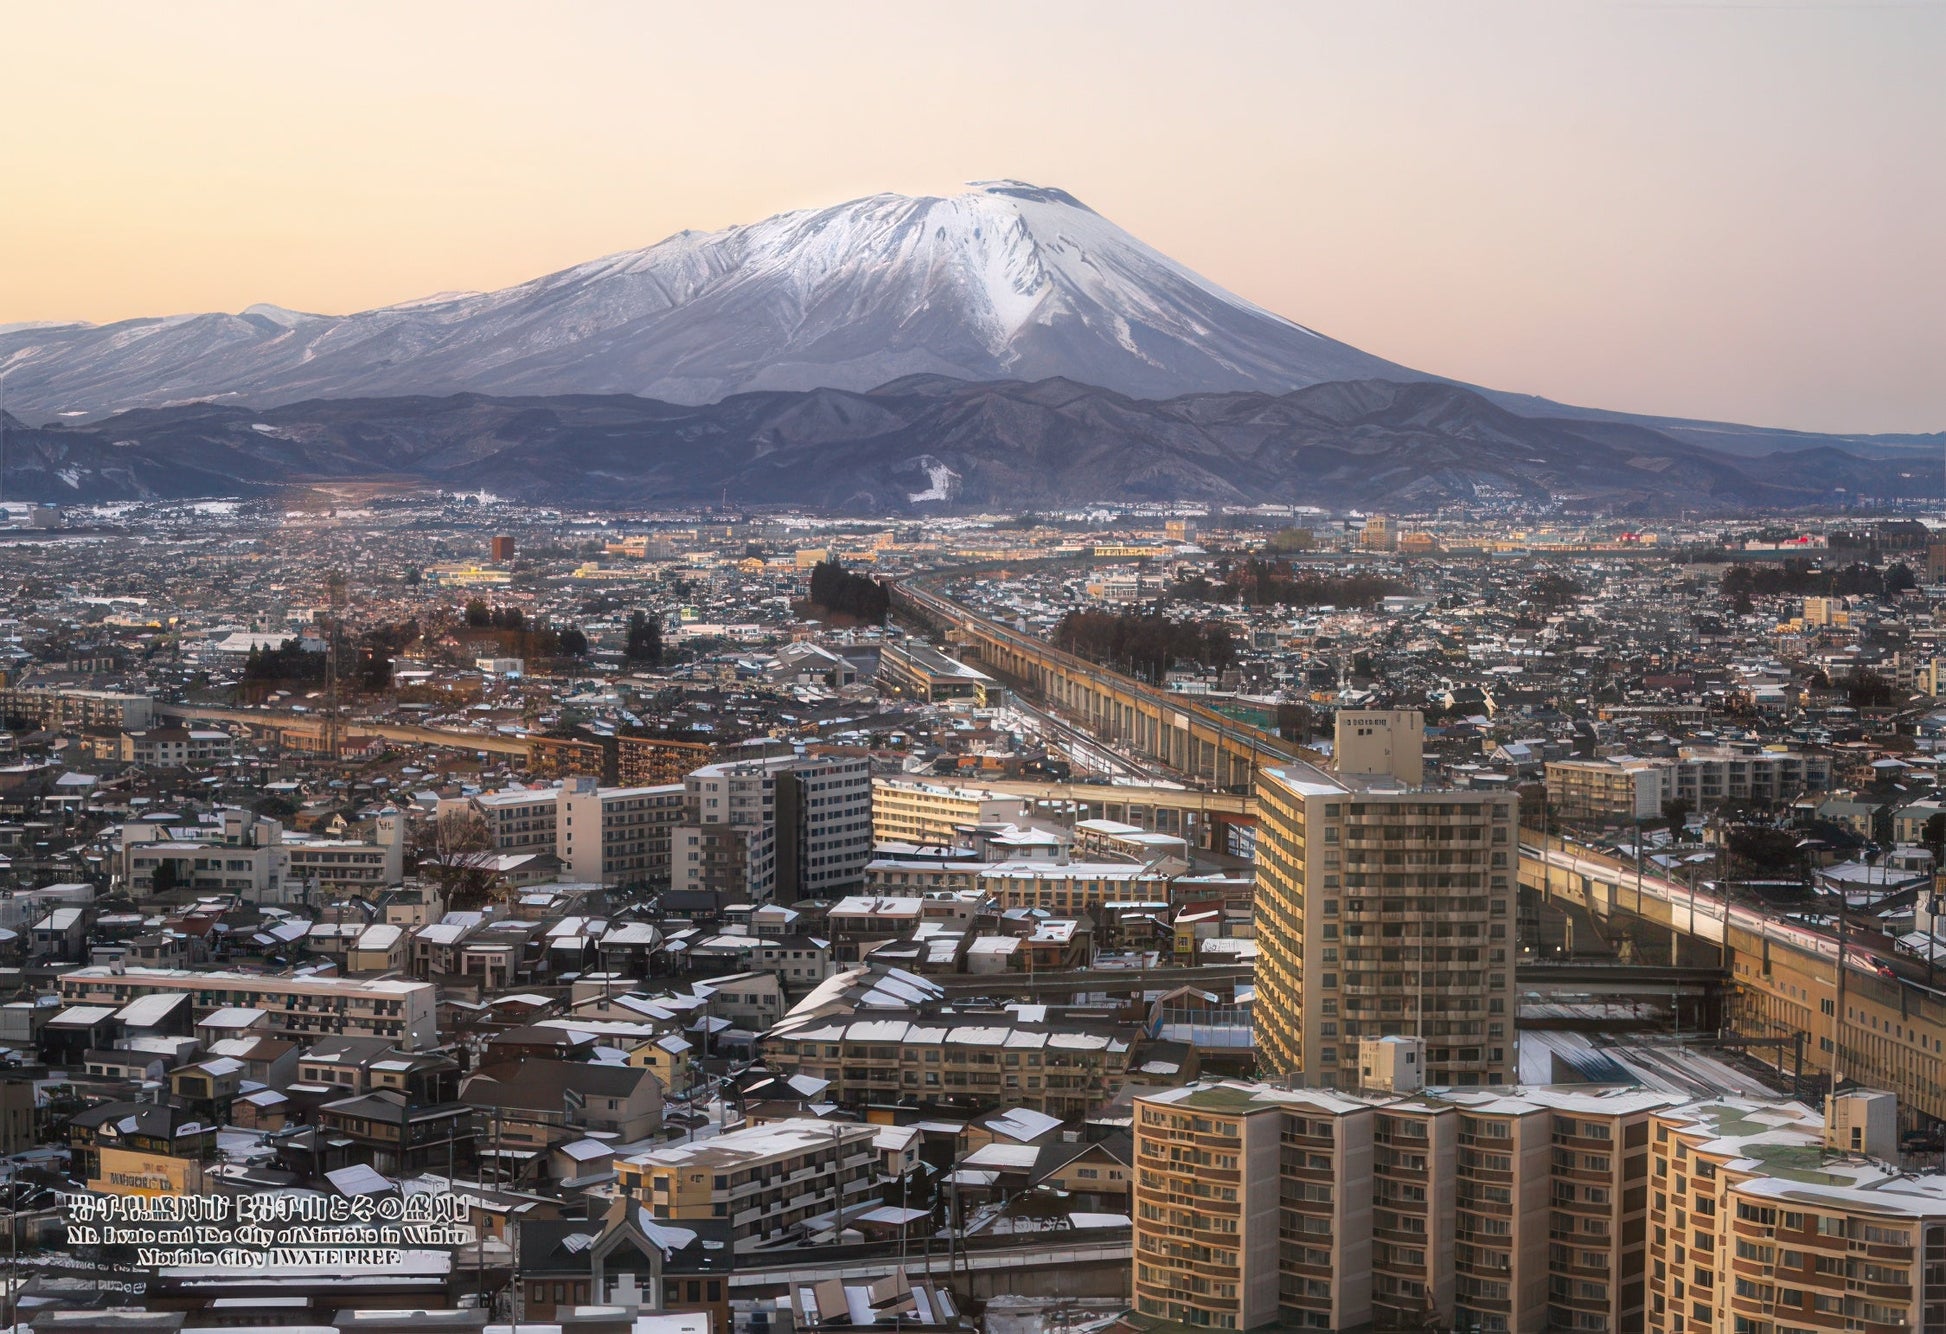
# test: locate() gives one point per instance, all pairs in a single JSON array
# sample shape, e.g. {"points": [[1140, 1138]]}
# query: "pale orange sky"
{"points": [[1718, 208]]}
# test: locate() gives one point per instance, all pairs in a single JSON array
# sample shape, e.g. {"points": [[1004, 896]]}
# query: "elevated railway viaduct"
{"points": [[1192, 739], [1865, 1015]]}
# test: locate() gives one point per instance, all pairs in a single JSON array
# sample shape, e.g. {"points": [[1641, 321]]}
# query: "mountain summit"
{"points": [[1005, 281]]}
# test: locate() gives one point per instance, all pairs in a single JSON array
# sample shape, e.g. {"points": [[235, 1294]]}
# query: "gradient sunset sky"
{"points": [[1721, 208]]}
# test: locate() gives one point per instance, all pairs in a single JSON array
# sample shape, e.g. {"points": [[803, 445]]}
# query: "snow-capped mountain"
{"points": [[1006, 281]]}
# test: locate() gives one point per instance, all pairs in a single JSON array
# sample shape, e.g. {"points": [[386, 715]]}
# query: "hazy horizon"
{"points": [[1719, 210]]}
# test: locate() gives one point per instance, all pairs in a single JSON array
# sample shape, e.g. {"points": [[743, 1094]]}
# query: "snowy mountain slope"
{"points": [[1005, 281]]}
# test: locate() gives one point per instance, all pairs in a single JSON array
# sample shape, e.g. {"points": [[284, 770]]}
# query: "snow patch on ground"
{"points": [[941, 477]]}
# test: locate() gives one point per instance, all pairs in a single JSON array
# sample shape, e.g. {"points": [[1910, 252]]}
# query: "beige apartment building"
{"points": [[1765, 1217], [1617, 790], [1521, 1210], [174, 747], [404, 1013], [55, 708], [993, 1060], [766, 1179], [909, 811], [1531, 1211], [617, 835], [1622, 790], [240, 852], [520, 819], [1383, 910]]}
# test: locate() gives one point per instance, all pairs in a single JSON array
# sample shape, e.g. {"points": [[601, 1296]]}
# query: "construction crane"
{"points": [[336, 599]]}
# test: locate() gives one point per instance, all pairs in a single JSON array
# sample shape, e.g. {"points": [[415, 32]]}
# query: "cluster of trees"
{"points": [[1273, 583], [289, 661], [1292, 539], [1145, 644], [837, 591], [519, 637], [1798, 577], [644, 638], [379, 646], [1553, 589], [1866, 689], [367, 667], [479, 616], [1296, 722]]}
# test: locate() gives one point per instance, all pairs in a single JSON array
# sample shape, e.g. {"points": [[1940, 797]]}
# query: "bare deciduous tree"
{"points": [[455, 856]]}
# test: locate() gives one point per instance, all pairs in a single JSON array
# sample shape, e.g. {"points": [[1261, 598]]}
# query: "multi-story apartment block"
{"points": [[881, 1034], [1381, 910], [1530, 1210], [520, 819], [1207, 1249], [1869, 1259], [1761, 1219], [1073, 887], [780, 828], [240, 852], [625, 761], [767, 1179], [571, 757], [1626, 789], [1501, 1194], [1615, 790], [327, 864], [1063, 1068], [1708, 774], [642, 761], [1315, 1209], [834, 829], [911, 811], [617, 835], [603, 835], [174, 747], [401, 1012], [53, 708], [735, 840]]}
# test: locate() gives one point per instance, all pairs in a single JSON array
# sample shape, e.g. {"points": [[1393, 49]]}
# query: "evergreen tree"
{"points": [[644, 638], [836, 590]]}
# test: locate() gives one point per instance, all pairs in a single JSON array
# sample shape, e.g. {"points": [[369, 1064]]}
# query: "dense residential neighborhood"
{"points": [[688, 904]]}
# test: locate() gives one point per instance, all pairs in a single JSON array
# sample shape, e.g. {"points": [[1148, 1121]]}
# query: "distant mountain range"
{"points": [[929, 443], [1005, 346]]}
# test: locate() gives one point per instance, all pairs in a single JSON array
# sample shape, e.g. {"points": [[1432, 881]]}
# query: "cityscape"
{"points": [[901, 759]]}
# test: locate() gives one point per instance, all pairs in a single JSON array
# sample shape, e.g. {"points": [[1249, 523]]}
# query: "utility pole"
{"points": [[13, 1236], [513, 1275], [905, 1177], [837, 1184], [1838, 1005]]}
